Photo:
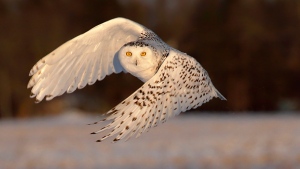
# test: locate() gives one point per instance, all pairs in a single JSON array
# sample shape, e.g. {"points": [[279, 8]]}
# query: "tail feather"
{"points": [[219, 95]]}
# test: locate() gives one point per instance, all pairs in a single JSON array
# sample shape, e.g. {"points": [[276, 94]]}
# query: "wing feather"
{"points": [[83, 60], [179, 85]]}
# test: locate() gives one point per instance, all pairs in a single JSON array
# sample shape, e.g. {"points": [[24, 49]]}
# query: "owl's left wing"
{"points": [[84, 59], [179, 85]]}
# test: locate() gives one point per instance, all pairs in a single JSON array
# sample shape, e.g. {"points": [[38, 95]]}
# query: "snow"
{"points": [[187, 141]]}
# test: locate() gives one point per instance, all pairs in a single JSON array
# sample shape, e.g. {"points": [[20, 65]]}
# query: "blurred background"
{"points": [[250, 48]]}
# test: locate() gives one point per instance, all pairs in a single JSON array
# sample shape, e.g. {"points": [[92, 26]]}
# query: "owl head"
{"points": [[139, 59]]}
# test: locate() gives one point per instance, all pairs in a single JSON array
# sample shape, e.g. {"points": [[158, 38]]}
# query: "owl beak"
{"points": [[136, 63]]}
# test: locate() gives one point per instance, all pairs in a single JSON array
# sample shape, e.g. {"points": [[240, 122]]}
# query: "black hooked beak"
{"points": [[136, 63]]}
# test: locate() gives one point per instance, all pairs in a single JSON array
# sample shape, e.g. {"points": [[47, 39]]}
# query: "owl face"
{"points": [[139, 60]]}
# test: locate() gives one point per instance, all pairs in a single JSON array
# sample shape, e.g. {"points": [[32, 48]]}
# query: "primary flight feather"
{"points": [[173, 81]]}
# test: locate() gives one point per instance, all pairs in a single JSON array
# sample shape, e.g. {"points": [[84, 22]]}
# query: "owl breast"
{"points": [[140, 59]]}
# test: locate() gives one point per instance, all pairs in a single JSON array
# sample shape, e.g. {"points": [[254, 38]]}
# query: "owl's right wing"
{"points": [[83, 59], [180, 84]]}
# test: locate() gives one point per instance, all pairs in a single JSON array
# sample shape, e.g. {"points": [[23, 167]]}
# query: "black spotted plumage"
{"points": [[179, 85]]}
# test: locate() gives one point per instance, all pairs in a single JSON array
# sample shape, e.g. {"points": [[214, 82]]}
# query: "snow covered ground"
{"points": [[187, 141]]}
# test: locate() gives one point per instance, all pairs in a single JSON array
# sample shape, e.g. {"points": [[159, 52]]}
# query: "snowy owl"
{"points": [[174, 82]]}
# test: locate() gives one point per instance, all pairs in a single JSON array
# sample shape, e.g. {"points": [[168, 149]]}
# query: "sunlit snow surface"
{"points": [[187, 141]]}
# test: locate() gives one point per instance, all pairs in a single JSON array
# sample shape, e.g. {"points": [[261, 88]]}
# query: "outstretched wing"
{"points": [[180, 84], [83, 60]]}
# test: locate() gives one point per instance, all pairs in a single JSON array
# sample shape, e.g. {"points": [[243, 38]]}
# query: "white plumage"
{"points": [[174, 81]]}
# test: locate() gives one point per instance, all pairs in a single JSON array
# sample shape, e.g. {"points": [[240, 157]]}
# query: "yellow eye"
{"points": [[143, 54], [128, 54]]}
